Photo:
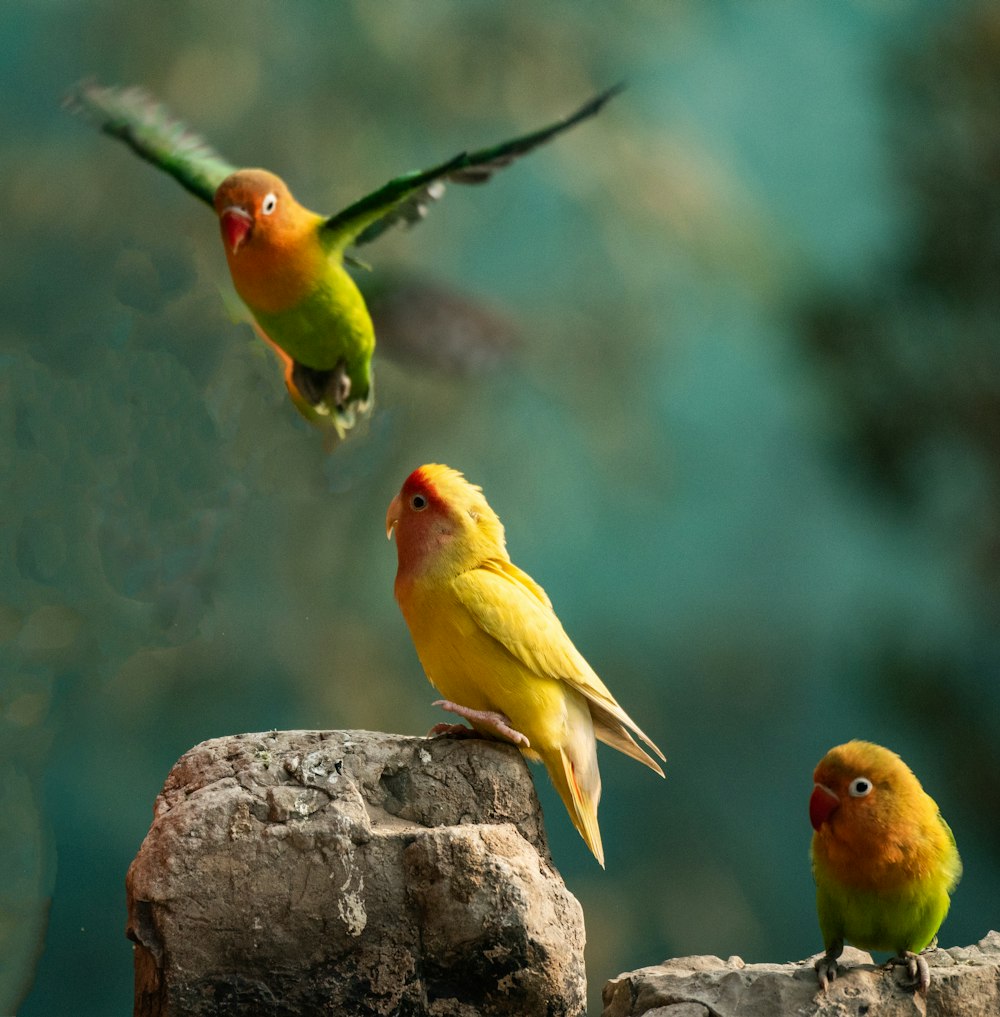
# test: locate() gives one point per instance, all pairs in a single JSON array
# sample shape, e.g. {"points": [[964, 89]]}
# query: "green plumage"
{"points": [[884, 860], [287, 262], [147, 127], [407, 197], [133, 116], [337, 304], [903, 920]]}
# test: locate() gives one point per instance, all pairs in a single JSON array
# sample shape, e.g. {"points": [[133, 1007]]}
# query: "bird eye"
{"points": [[270, 203], [859, 787], [418, 502]]}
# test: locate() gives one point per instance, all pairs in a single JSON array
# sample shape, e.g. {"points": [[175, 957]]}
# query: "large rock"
{"points": [[347, 872], [965, 982]]}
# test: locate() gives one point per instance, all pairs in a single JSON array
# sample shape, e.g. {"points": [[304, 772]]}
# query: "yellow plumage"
{"points": [[489, 641]]}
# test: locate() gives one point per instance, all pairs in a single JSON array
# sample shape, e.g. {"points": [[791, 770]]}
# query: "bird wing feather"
{"points": [[406, 198], [145, 125], [513, 609], [133, 116]]}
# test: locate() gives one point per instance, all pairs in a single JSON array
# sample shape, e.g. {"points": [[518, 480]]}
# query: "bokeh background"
{"points": [[725, 360]]}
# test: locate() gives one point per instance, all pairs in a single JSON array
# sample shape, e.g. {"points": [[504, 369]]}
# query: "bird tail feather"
{"points": [[613, 734], [580, 801]]}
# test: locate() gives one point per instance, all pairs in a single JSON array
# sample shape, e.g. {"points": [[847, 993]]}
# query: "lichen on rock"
{"points": [[965, 982], [351, 872]]}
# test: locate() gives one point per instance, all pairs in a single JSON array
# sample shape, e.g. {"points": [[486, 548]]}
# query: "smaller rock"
{"points": [[965, 982]]}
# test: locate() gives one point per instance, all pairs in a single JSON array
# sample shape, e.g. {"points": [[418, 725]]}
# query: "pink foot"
{"points": [[452, 730], [496, 723]]}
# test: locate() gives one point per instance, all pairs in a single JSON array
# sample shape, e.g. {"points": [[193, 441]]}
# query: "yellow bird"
{"points": [[490, 643]]}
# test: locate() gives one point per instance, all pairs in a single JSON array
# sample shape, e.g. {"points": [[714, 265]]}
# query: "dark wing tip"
{"points": [[596, 104], [609, 93], [406, 198]]}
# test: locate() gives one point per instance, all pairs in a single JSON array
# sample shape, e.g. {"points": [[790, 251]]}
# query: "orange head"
{"points": [[254, 205], [272, 242], [860, 786], [875, 827], [442, 523]]}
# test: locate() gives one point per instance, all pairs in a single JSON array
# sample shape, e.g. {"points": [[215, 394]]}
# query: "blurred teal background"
{"points": [[749, 442]]}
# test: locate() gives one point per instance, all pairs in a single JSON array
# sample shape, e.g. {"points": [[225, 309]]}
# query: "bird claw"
{"points": [[493, 721], [826, 971], [916, 967], [323, 389], [340, 386], [452, 731]]}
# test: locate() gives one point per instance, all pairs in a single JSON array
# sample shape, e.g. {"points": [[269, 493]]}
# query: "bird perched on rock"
{"points": [[287, 263], [884, 860], [489, 641]]}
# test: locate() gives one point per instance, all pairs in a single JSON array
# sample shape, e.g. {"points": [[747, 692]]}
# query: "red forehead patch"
{"points": [[420, 482]]}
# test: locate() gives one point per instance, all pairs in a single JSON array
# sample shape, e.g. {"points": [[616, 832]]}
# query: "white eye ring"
{"points": [[859, 787], [270, 203], [418, 502]]}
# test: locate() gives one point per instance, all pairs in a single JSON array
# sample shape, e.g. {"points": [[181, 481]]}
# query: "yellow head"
{"points": [[443, 525]]}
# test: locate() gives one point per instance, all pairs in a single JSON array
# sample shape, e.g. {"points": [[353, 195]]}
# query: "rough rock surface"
{"points": [[351, 873], [965, 982]]}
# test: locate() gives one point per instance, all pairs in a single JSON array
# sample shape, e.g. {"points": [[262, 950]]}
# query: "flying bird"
{"points": [[884, 860], [490, 643], [287, 262]]}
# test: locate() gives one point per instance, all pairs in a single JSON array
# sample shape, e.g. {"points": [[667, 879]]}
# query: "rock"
{"points": [[965, 982], [351, 873]]}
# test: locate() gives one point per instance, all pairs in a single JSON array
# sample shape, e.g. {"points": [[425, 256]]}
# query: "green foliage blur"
{"points": [[747, 438]]}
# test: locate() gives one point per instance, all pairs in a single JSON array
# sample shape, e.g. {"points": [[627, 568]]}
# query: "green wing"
{"points": [[406, 199], [134, 117]]}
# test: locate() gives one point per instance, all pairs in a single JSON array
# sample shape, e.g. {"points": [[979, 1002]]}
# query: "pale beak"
{"points": [[392, 515], [237, 225]]}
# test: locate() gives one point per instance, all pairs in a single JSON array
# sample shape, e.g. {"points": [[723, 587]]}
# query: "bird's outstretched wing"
{"points": [[406, 198], [146, 126]]}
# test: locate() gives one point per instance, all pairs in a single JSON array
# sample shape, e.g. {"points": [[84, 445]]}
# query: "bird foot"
{"points": [[916, 967], [323, 388], [452, 731], [826, 970], [495, 723], [339, 386]]}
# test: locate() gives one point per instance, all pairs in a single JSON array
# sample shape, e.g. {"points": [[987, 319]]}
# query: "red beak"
{"points": [[822, 805], [237, 224]]}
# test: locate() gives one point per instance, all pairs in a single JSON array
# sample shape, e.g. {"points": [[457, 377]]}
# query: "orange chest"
{"points": [[275, 273], [894, 859]]}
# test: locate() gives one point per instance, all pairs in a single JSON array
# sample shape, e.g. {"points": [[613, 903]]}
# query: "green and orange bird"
{"points": [[490, 643], [884, 860], [287, 263]]}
